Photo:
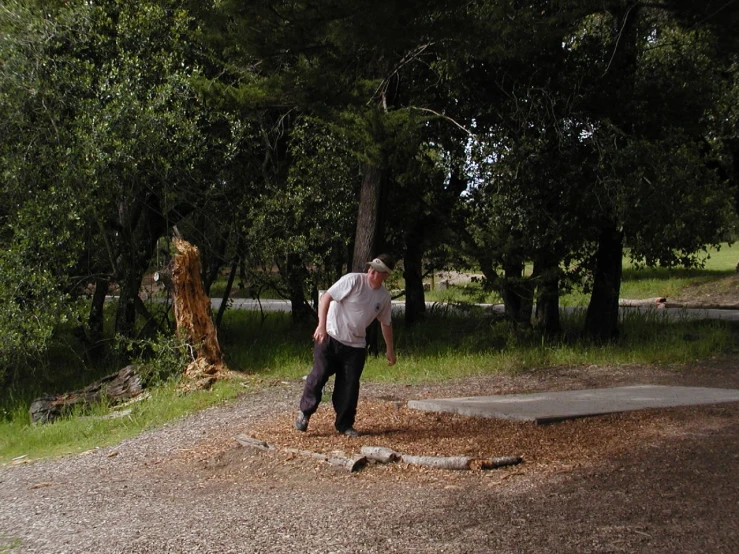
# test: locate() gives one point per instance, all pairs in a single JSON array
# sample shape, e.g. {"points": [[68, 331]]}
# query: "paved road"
{"points": [[670, 312]]}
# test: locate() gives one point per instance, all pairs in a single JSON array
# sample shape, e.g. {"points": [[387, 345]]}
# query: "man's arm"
{"points": [[320, 334], [387, 334]]}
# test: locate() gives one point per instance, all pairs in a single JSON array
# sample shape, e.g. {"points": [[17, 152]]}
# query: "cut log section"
{"points": [[380, 454], [336, 459]]}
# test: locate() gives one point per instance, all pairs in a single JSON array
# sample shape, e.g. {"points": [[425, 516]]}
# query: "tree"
{"points": [[619, 122], [104, 116]]}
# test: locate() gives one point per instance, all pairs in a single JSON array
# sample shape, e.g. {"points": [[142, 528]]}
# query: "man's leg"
{"points": [[346, 386], [316, 380]]}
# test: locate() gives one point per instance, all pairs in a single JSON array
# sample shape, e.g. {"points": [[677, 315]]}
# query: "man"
{"points": [[344, 312]]}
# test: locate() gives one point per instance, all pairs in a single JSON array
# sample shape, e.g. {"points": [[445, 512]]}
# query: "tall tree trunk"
{"points": [[96, 319], [415, 298], [601, 320], [517, 293], [141, 229], [369, 231], [214, 262], [547, 297], [297, 275], [227, 292], [368, 236]]}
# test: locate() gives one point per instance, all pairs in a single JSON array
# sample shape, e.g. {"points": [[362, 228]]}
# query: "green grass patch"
{"points": [[450, 344], [94, 428], [9, 545], [457, 346]]}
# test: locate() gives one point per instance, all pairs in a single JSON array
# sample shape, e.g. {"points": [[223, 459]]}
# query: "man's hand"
{"points": [[319, 335], [390, 355]]}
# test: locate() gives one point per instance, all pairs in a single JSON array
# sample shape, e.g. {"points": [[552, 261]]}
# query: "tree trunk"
{"points": [[547, 298], [227, 292], [96, 318], [369, 231], [141, 228], [215, 261], [415, 297], [517, 293], [601, 320], [297, 276]]}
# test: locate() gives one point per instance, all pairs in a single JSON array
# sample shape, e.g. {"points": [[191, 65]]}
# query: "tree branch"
{"points": [[469, 133]]}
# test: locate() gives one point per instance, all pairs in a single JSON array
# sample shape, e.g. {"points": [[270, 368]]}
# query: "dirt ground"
{"points": [[662, 480]]}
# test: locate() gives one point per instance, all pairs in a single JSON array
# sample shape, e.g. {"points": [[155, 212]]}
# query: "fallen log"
{"points": [[460, 462], [246, 440], [383, 455], [439, 462], [114, 388], [380, 454], [336, 459]]}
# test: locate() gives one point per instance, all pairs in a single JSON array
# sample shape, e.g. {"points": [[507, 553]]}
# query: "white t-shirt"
{"points": [[355, 305]]}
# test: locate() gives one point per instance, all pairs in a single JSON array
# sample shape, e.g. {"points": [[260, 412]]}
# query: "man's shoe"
{"points": [[351, 432], [301, 423]]}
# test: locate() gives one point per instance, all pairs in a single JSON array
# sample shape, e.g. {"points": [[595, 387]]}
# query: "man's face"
{"points": [[376, 278]]}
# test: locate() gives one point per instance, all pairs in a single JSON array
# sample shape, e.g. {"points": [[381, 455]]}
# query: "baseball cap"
{"points": [[382, 263]]}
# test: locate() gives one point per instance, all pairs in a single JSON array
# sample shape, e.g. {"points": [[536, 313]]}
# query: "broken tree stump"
{"points": [[192, 312], [114, 388]]}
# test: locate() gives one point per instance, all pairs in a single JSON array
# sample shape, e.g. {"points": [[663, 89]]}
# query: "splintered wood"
{"points": [[192, 314]]}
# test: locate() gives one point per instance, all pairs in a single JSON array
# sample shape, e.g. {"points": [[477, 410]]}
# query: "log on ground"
{"points": [[115, 388]]}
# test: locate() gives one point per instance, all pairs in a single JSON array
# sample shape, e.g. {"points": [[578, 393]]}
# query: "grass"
{"points": [[447, 344], [9, 545], [84, 431], [637, 283]]}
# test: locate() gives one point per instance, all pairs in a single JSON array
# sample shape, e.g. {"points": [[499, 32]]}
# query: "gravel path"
{"points": [[672, 487]]}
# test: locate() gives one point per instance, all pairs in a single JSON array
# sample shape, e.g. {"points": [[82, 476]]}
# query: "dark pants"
{"points": [[333, 358]]}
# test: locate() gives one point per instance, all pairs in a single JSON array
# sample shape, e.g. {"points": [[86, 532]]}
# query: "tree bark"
{"points": [[368, 234], [96, 319], [517, 293], [227, 292], [415, 297], [214, 263], [192, 313], [547, 298], [297, 275], [601, 320], [141, 227]]}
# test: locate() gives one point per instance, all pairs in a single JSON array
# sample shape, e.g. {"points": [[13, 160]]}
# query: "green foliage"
{"points": [[108, 144], [158, 360], [32, 308]]}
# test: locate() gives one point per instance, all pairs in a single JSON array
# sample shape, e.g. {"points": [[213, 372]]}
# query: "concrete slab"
{"points": [[548, 407]]}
